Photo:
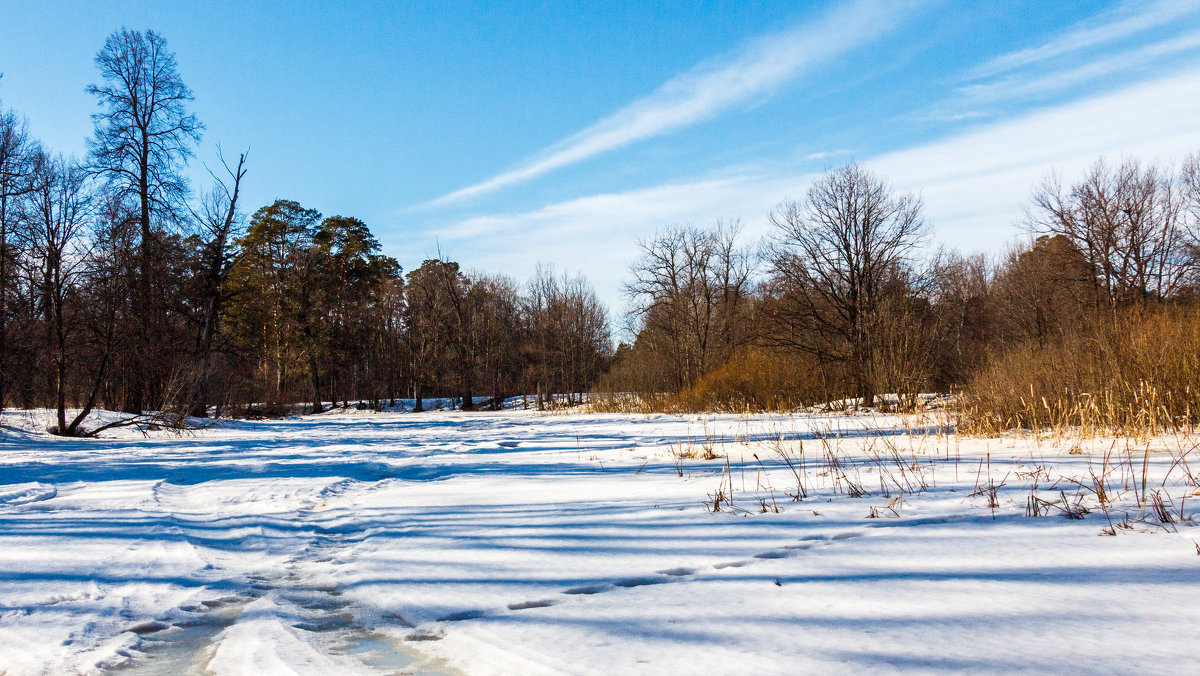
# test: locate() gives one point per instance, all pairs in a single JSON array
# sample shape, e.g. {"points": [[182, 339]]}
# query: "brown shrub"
{"points": [[1136, 374], [757, 379], [752, 379]]}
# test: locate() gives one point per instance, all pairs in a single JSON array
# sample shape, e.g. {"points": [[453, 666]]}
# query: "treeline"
{"points": [[1093, 320], [121, 287]]}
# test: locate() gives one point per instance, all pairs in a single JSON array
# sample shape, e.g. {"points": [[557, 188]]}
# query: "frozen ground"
{"points": [[524, 544]]}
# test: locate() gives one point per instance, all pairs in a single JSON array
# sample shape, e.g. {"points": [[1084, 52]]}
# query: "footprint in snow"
{"points": [[661, 577], [150, 627], [325, 604], [806, 542], [588, 589], [526, 605], [425, 635], [462, 615], [640, 581], [772, 555]]}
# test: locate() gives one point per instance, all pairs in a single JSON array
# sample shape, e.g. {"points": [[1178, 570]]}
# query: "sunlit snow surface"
{"points": [[526, 543]]}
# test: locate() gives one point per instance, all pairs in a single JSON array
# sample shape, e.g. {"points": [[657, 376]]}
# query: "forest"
{"points": [[1089, 321], [124, 287]]}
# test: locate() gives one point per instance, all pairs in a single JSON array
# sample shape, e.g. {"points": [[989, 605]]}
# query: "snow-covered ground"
{"points": [[526, 543]]}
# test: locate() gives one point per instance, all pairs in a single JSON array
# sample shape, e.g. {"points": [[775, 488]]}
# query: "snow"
{"points": [[266, 640], [515, 542]]}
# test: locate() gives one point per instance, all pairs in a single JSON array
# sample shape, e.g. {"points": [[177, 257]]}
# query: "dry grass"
{"points": [[752, 380], [1136, 376], [755, 379], [1123, 484]]}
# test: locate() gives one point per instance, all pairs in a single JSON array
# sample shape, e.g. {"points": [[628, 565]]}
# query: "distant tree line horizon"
{"points": [[122, 287], [1094, 319]]}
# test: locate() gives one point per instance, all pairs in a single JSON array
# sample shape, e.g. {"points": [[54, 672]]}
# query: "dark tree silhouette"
{"points": [[17, 159], [143, 137]]}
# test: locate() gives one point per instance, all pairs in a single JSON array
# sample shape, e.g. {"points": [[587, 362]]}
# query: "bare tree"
{"points": [[537, 303], [58, 214], [1189, 180], [567, 338], [961, 295], [1128, 223], [839, 261], [143, 135], [218, 219], [586, 337], [689, 292], [423, 328], [495, 301], [17, 153], [455, 288], [104, 294]]}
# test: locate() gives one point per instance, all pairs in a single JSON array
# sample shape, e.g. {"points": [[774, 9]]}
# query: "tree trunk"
{"points": [[60, 334], [200, 387], [468, 403], [315, 375], [98, 383], [3, 299]]}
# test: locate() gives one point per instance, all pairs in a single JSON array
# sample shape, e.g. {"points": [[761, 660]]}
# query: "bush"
{"points": [[1135, 374], [752, 379], [757, 379]]}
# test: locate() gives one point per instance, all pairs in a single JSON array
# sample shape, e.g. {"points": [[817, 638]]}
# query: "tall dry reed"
{"points": [[1137, 374]]}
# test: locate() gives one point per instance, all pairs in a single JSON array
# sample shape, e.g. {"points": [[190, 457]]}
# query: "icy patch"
{"points": [[263, 640]]}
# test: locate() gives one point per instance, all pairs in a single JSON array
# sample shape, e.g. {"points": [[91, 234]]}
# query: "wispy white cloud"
{"points": [[1025, 85], [710, 88], [1129, 19], [975, 185], [596, 234], [825, 154]]}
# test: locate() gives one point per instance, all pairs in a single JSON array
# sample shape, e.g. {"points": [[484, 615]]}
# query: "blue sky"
{"points": [[516, 133]]}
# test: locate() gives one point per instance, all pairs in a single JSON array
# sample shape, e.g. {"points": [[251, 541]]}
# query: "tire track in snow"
{"points": [[23, 494], [307, 618]]}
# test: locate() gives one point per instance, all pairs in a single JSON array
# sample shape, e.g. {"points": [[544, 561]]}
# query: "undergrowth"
{"points": [[1136, 376]]}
